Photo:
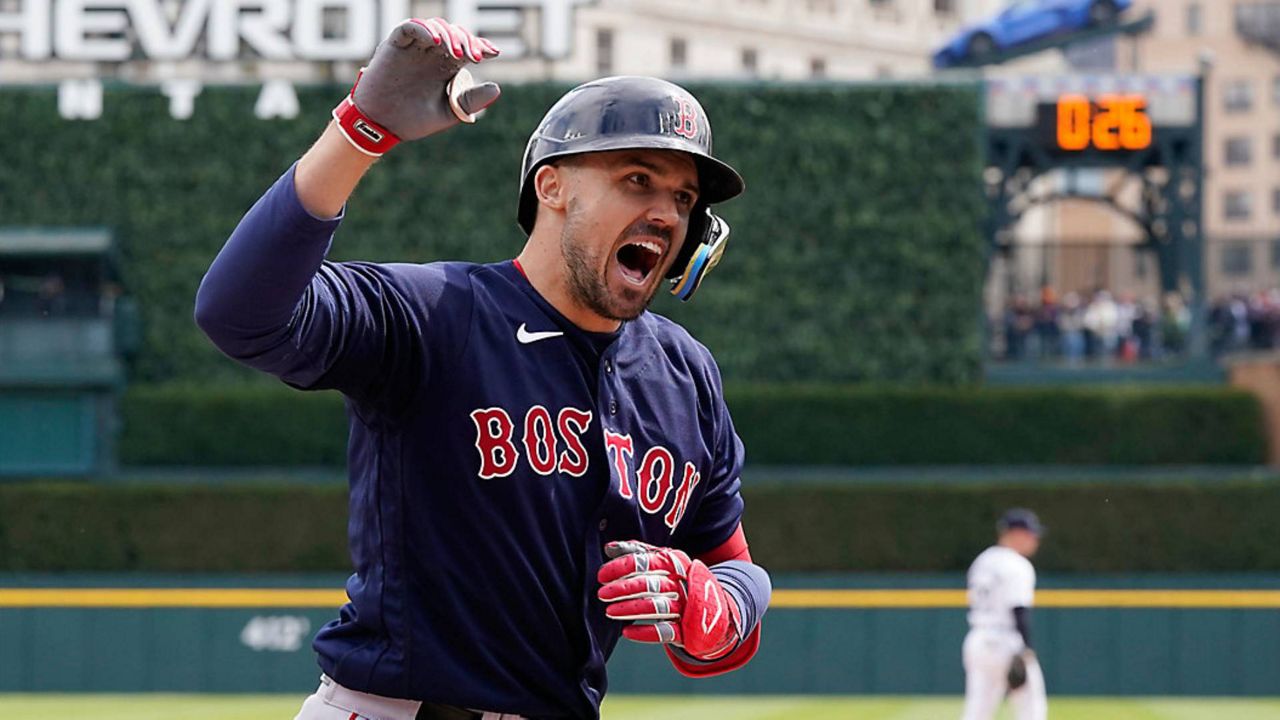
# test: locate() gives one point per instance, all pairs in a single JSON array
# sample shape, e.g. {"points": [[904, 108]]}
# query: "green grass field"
{"points": [[283, 707]]}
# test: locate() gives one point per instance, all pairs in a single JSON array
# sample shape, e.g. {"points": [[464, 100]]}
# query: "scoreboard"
{"points": [[1148, 127], [1095, 119], [1109, 123]]}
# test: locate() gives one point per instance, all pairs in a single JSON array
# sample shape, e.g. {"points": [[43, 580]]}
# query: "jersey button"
{"points": [[613, 407], [608, 366], [604, 523]]}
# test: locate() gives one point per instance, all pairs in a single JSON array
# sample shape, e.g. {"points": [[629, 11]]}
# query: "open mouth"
{"points": [[638, 260]]}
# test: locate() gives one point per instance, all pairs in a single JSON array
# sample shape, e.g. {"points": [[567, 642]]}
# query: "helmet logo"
{"points": [[687, 123]]}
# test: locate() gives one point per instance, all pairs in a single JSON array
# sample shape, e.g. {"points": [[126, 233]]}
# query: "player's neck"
{"points": [[1010, 544], [544, 267]]}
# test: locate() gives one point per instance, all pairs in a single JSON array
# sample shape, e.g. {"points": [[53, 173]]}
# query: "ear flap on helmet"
{"points": [[707, 247]]}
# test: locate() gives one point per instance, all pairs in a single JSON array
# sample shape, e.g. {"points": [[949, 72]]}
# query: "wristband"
{"points": [[363, 133]]}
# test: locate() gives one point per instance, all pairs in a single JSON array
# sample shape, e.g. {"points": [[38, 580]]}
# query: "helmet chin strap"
{"points": [[705, 257]]}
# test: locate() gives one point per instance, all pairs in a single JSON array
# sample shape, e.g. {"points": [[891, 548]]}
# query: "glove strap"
{"points": [[363, 133]]}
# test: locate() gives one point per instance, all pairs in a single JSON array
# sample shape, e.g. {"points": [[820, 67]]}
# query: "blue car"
{"points": [[1022, 22]]}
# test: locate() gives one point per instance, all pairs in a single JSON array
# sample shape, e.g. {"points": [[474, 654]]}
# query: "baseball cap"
{"points": [[1020, 518]]}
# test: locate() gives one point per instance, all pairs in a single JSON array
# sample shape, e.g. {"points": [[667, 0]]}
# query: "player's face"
{"points": [[1025, 543], [1033, 545], [627, 214]]}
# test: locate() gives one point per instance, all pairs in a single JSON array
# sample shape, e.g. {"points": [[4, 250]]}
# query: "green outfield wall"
{"points": [[1099, 523], [780, 423], [890, 634], [857, 251]]}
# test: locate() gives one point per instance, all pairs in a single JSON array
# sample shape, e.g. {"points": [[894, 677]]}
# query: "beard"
{"points": [[588, 276]]}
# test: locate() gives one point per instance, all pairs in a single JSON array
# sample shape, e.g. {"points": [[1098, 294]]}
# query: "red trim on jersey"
{"points": [[735, 548], [734, 660], [520, 267], [354, 716]]}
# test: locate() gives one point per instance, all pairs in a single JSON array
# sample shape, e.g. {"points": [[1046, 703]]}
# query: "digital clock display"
{"points": [[1107, 123]]}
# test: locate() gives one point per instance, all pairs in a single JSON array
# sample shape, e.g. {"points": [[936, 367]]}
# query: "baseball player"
{"points": [[538, 465], [998, 655]]}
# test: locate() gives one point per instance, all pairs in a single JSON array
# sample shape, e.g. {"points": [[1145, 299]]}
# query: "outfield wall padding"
{"points": [[848, 650]]}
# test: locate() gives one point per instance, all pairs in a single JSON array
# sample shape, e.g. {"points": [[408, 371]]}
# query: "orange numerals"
{"points": [[1116, 122]]}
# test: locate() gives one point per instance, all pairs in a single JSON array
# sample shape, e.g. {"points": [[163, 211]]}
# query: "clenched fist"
{"points": [[668, 598]]}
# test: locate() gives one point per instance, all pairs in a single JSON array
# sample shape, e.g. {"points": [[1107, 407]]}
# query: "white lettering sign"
{"points": [[493, 17], [318, 30], [276, 100], [278, 633], [158, 39], [90, 30], [120, 31], [31, 22], [80, 99], [262, 30], [308, 31], [182, 97]]}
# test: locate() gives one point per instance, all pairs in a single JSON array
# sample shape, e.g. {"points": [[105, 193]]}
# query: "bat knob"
{"points": [[460, 83]]}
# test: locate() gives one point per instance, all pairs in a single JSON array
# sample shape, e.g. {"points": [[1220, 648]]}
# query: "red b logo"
{"points": [[687, 123]]}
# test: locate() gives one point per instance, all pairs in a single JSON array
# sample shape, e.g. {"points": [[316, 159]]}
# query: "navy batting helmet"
{"points": [[1019, 518], [626, 113]]}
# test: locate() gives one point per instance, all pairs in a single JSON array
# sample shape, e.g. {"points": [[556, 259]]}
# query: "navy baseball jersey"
{"points": [[495, 448]]}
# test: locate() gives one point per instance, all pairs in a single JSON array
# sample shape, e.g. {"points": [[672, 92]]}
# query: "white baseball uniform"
{"points": [[1000, 580]]}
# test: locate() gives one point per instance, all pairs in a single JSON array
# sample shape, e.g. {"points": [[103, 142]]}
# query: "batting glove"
{"points": [[416, 85], [668, 599]]}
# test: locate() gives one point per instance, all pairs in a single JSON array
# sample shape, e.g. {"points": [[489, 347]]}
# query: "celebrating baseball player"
{"points": [[538, 465], [998, 655]]}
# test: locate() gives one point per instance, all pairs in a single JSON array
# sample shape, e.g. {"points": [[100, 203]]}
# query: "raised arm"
{"points": [[328, 173], [269, 299], [415, 86]]}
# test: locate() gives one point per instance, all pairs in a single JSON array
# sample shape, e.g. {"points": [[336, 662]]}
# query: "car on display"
{"points": [[1022, 22]]}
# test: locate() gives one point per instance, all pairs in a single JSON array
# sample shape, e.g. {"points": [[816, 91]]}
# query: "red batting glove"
{"points": [[668, 598]]}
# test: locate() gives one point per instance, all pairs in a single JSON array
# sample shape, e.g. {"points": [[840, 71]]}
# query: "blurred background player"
{"points": [[998, 656]]}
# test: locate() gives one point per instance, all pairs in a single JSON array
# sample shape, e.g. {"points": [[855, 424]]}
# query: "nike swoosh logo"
{"points": [[525, 337], [708, 594]]}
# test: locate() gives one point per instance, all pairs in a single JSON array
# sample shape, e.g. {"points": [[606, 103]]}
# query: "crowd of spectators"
{"points": [[1242, 321], [1102, 327]]}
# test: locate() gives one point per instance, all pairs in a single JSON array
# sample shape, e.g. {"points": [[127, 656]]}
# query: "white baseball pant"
{"points": [[987, 654], [332, 701]]}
